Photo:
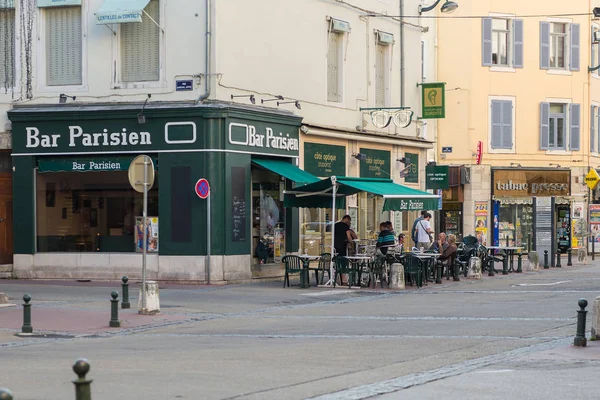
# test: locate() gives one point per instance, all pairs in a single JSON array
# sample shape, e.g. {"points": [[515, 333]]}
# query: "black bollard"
{"points": [[558, 259], [520, 263], [83, 390], [125, 287], [507, 241], [569, 263], [5, 394], [505, 263], [26, 328], [114, 311], [580, 340], [546, 266]]}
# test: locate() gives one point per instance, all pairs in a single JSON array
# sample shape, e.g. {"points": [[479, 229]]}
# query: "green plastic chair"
{"points": [[293, 265], [324, 263], [343, 266], [413, 269]]}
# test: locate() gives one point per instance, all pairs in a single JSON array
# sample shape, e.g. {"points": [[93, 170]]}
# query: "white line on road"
{"points": [[494, 371], [541, 284], [328, 292]]}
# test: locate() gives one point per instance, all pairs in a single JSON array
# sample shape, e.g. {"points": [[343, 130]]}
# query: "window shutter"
{"points": [[380, 69], [593, 49], [333, 67], [544, 45], [7, 48], [593, 128], [63, 46], [496, 124], [486, 42], [518, 43], [507, 125], [575, 125], [544, 125], [575, 53], [140, 47]]}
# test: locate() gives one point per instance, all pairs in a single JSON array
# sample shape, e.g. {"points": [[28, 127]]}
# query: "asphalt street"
{"points": [[498, 338]]}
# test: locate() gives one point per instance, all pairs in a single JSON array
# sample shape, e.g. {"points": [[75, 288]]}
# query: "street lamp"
{"points": [[448, 7]]}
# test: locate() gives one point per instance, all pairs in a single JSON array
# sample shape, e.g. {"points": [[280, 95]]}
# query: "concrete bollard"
{"points": [[125, 288], [26, 328], [474, 271], [534, 261], [5, 394], [580, 340], [3, 298], [595, 319], [152, 299], [397, 276], [114, 311], [83, 390]]}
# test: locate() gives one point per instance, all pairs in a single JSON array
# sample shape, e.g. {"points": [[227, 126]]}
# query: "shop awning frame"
{"points": [[120, 12], [287, 170]]}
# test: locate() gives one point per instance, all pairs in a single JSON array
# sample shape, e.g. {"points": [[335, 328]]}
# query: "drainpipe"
{"points": [[208, 75], [401, 53]]}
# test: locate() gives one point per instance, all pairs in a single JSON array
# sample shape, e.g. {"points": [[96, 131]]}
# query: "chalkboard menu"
{"points": [[238, 204]]}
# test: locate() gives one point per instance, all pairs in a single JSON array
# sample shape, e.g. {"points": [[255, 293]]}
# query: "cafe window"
{"points": [[268, 217], [92, 211], [515, 224], [315, 232], [370, 215]]}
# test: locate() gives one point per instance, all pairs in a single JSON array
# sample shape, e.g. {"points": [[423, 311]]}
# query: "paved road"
{"points": [[502, 337]]}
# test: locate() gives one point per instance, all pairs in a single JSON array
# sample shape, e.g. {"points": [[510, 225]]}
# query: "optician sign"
{"points": [[525, 183]]}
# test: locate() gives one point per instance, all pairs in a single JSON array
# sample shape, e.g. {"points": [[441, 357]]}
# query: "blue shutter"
{"points": [[575, 125], [518, 43], [592, 128], [507, 124], [486, 42], [496, 124], [544, 45], [544, 125], [575, 52]]}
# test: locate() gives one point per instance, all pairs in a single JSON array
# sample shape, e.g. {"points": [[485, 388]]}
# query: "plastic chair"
{"points": [[324, 264], [413, 268], [293, 265], [343, 266]]}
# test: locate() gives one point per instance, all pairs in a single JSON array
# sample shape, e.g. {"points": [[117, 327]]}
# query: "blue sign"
{"points": [[447, 149], [184, 85]]}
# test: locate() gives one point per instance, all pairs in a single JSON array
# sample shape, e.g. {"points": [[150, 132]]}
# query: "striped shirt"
{"points": [[386, 238]]}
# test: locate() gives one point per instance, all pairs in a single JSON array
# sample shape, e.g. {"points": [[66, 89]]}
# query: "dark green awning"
{"points": [[287, 170], [397, 197]]}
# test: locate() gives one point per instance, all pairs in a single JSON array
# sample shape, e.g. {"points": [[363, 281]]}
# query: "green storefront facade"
{"points": [[71, 194]]}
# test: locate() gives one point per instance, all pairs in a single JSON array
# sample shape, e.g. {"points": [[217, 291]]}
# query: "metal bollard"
{"points": [[507, 241], [558, 259], [114, 311], [26, 328], [505, 264], [569, 263], [83, 390], [520, 263], [580, 340], [546, 266], [125, 287], [5, 394]]}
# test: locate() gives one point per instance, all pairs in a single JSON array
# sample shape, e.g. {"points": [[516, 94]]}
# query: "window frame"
{"points": [[15, 88], [595, 134], [555, 117], [595, 50], [116, 78], [513, 100], [567, 150], [387, 60], [341, 69], [566, 46], [509, 40], [41, 54]]}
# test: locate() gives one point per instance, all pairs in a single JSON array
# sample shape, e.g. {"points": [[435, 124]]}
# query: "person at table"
{"points": [[401, 239], [423, 232], [440, 244], [343, 235], [449, 251], [385, 239], [390, 227]]}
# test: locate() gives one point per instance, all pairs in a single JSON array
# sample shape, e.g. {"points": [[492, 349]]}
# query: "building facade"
{"points": [[219, 90], [522, 118]]}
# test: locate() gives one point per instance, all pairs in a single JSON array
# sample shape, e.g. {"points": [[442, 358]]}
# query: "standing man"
{"points": [[343, 236], [413, 232], [423, 231]]}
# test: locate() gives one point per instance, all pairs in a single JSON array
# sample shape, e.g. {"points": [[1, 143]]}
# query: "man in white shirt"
{"points": [[423, 231]]}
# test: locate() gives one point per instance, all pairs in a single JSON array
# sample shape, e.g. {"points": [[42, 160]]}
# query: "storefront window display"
{"points": [[316, 230], [515, 222], [268, 227], [90, 211], [370, 215]]}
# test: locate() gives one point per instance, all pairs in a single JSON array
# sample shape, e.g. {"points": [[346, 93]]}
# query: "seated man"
{"points": [[449, 253], [401, 245], [385, 239], [441, 244]]}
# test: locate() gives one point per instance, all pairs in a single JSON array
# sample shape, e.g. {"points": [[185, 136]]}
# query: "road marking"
{"points": [[541, 284], [328, 292], [494, 371], [423, 318]]}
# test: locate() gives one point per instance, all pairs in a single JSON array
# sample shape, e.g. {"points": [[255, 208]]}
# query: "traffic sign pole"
{"points": [[145, 237], [202, 189]]}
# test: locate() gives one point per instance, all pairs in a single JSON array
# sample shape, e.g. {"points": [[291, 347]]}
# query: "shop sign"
{"points": [[324, 160], [436, 177], [54, 3], [433, 100], [249, 135], [376, 165], [528, 183], [412, 175], [96, 164]]}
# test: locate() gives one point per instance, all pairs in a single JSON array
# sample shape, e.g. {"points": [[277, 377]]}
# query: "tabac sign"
{"points": [[528, 183]]}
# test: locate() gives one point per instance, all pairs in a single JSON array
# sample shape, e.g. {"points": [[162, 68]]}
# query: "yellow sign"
{"points": [[592, 178]]}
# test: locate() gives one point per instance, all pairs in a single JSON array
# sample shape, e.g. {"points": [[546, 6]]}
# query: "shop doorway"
{"points": [[6, 230]]}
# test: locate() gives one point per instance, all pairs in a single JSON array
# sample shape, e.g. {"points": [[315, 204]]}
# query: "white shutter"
{"points": [[7, 49], [63, 46], [140, 47], [334, 67], [380, 75]]}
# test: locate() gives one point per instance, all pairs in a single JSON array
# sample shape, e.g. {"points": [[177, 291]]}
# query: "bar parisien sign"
{"points": [[77, 137]]}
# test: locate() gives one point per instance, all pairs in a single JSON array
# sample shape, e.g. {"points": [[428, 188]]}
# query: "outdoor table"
{"points": [[509, 253], [305, 275], [429, 258], [360, 260]]}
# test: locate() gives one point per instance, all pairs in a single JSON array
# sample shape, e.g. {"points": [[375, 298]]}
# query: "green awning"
{"points": [[57, 3], [397, 197], [287, 170], [86, 164], [120, 11]]}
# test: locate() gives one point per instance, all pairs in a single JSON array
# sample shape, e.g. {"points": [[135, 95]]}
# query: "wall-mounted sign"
{"points": [[183, 86], [376, 165], [436, 177], [151, 234], [433, 100], [55, 3], [85, 164], [481, 221], [447, 149], [412, 175], [527, 183], [251, 136], [324, 160], [479, 153]]}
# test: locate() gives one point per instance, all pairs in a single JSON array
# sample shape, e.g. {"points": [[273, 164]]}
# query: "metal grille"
{"points": [[7, 48], [64, 45], [140, 47], [380, 75], [334, 70]]}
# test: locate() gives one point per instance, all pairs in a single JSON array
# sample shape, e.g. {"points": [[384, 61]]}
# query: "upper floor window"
{"points": [[7, 45], [560, 126], [502, 42], [594, 129], [335, 58], [140, 46], [559, 46], [501, 122], [595, 56], [63, 46], [382, 68]]}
